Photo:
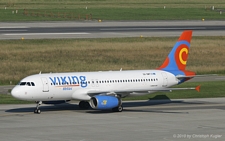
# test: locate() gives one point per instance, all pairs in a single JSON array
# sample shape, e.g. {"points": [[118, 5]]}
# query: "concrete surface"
{"points": [[167, 120]]}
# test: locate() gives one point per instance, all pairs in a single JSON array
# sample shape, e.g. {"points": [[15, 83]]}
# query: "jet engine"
{"points": [[103, 102]]}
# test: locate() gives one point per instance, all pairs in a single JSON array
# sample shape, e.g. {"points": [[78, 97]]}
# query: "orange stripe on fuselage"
{"points": [[68, 85]]}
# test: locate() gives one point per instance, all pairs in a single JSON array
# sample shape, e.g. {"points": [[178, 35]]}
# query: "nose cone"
{"points": [[15, 92]]}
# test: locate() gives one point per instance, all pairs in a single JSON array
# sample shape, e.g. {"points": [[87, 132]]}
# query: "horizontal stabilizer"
{"points": [[191, 76], [174, 89], [198, 88], [184, 76]]}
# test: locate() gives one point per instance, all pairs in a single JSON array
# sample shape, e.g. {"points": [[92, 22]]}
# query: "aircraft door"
{"points": [[45, 84], [165, 79]]}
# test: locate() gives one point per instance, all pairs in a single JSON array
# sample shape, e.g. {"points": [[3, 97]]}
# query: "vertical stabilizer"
{"points": [[177, 58], [176, 61]]}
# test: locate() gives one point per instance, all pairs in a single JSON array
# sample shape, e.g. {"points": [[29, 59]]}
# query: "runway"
{"points": [[167, 120], [108, 29]]}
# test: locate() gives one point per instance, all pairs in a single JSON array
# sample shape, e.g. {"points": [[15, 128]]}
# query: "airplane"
{"points": [[103, 90]]}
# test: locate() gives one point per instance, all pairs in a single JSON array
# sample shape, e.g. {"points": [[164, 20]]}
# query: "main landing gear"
{"points": [[118, 109], [84, 105], [37, 110]]}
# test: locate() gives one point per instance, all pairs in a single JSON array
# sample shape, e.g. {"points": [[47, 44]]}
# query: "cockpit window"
{"points": [[32, 83], [26, 83], [22, 83]]}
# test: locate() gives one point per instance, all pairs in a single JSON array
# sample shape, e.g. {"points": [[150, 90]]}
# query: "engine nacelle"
{"points": [[103, 102]]}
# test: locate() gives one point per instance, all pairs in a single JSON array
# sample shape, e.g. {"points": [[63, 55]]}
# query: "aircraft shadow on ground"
{"points": [[157, 100], [74, 107], [43, 108]]}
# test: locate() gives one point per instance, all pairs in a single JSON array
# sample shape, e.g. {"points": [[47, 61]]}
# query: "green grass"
{"points": [[112, 14], [59, 10], [8, 99], [208, 90], [20, 58]]}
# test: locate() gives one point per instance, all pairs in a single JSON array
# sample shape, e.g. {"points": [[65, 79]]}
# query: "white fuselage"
{"points": [[83, 85]]}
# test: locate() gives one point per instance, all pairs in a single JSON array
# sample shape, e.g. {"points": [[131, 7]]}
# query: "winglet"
{"points": [[198, 88]]}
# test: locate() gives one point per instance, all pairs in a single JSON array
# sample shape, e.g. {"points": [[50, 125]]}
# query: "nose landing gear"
{"points": [[37, 110]]}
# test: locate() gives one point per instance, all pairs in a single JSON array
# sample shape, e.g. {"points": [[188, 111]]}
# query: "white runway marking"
{"points": [[15, 34]]}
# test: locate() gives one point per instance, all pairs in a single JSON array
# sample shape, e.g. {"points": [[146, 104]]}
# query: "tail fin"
{"points": [[176, 61], [177, 58]]}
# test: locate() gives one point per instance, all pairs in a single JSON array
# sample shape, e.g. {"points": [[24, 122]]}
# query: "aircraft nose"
{"points": [[15, 93]]}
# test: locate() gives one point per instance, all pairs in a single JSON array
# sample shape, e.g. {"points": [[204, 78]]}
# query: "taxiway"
{"points": [[108, 29]]}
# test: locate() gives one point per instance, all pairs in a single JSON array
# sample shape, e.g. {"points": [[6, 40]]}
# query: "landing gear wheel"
{"points": [[38, 111], [84, 105], [118, 109]]}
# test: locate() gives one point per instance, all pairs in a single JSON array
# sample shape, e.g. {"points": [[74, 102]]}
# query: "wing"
{"points": [[127, 92]]}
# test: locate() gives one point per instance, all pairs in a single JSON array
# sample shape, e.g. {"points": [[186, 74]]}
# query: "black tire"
{"points": [[118, 109], [84, 105], [81, 104], [35, 111]]}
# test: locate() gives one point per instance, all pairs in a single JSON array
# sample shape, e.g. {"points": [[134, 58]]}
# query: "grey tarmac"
{"points": [[161, 120]]}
